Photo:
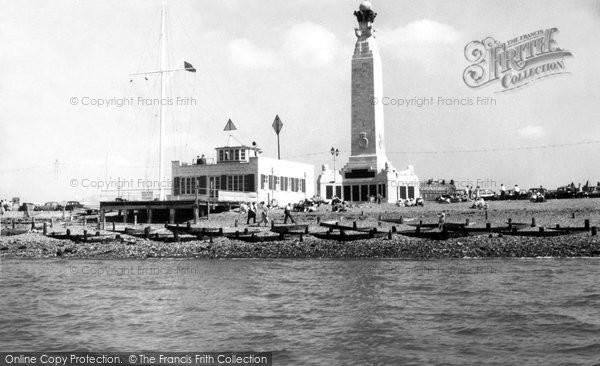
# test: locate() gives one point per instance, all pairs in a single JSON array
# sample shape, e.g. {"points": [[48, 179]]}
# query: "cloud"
{"points": [[310, 45], [426, 42], [244, 54], [423, 32], [532, 132]]}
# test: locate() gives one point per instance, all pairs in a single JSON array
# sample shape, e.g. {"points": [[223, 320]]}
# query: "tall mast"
{"points": [[163, 94], [163, 67]]}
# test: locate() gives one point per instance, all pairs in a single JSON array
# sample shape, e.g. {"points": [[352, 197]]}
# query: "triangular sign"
{"points": [[277, 124], [229, 126]]}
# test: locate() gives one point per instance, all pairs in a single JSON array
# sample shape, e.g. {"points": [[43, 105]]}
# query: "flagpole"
{"points": [[163, 58], [163, 94]]}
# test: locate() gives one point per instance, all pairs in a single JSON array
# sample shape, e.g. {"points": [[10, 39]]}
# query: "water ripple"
{"points": [[348, 312]]}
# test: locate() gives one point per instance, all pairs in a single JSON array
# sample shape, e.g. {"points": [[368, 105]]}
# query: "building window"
{"points": [[243, 154], [220, 155], [176, 188], [347, 195], [355, 193], [403, 193], [364, 192], [237, 154], [328, 192], [249, 183], [188, 185], [411, 192]]}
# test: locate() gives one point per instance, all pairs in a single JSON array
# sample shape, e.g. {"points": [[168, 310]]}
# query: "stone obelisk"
{"points": [[367, 139], [368, 173]]}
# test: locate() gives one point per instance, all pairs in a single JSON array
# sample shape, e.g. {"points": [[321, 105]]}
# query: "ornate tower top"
{"points": [[365, 16]]}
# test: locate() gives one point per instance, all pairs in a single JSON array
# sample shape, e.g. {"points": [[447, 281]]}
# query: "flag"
{"points": [[229, 126], [188, 66]]}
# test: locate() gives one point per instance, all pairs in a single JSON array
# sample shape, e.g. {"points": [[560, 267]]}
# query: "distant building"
{"points": [[241, 175], [368, 172]]}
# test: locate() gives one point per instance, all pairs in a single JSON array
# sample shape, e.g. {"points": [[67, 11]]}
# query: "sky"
{"points": [[255, 60]]}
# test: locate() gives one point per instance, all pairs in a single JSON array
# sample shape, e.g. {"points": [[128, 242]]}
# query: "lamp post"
{"points": [[273, 185], [335, 153]]}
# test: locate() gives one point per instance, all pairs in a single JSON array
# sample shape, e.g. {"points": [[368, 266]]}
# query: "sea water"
{"points": [[310, 312]]}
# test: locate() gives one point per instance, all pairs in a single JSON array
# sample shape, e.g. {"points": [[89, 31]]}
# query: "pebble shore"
{"points": [[34, 245], [564, 212]]}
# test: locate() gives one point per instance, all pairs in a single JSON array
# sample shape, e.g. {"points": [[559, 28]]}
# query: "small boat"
{"points": [[79, 238], [10, 232], [394, 221], [253, 238], [424, 225], [450, 226], [518, 225], [569, 229], [434, 235], [290, 229], [336, 226], [345, 236]]}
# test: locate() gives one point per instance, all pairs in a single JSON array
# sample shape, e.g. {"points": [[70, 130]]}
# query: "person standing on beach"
{"points": [[251, 213], [264, 216], [441, 221], [288, 213], [502, 191]]}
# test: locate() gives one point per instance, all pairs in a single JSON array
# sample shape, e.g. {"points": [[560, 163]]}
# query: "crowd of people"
{"points": [[411, 202], [5, 205], [252, 209]]}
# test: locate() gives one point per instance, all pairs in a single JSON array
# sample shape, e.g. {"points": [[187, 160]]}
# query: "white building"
{"points": [[240, 174]]}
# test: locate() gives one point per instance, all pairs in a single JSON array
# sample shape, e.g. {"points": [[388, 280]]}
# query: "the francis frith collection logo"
{"points": [[514, 63]]}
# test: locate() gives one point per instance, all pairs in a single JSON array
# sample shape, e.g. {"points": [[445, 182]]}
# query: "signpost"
{"points": [[277, 124]]}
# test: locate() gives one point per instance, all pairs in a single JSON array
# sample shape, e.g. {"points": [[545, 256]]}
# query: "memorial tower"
{"points": [[368, 172]]}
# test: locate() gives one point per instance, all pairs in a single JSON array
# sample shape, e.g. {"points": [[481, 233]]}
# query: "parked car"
{"points": [[488, 194], [72, 205], [569, 192], [545, 192], [49, 206], [593, 192]]}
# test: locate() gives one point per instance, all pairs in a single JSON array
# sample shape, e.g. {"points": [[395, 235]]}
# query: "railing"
{"points": [[232, 196]]}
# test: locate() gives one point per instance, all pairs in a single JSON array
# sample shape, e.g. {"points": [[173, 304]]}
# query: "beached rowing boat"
{"points": [[290, 229], [349, 236]]}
